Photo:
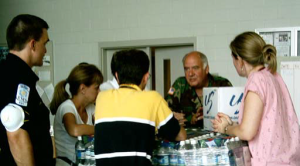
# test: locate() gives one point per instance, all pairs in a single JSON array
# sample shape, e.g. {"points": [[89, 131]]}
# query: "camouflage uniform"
{"points": [[183, 98]]}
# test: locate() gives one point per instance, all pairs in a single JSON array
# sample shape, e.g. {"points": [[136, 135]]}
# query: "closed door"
{"points": [[168, 66]]}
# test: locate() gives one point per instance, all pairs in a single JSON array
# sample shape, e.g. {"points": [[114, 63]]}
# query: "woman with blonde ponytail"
{"points": [[267, 118], [74, 113]]}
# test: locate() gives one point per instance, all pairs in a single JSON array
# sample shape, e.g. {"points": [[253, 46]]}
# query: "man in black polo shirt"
{"points": [[24, 126]]}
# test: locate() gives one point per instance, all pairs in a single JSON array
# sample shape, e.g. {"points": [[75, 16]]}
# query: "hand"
{"points": [[180, 117], [220, 122], [197, 116], [219, 125], [222, 115]]}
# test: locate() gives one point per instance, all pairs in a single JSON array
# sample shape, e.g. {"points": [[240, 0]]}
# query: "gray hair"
{"points": [[201, 55]]}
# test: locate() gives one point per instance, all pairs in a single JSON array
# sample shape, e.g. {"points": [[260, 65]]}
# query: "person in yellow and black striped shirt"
{"points": [[127, 119]]}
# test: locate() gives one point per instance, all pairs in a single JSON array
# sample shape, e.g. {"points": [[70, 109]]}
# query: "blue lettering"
{"points": [[231, 103], [236, 112], [208, 100]]}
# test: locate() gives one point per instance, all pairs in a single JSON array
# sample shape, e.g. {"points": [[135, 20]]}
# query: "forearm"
{"points": [[82, 129], [237, 131], [181, 135], [21, 147]]}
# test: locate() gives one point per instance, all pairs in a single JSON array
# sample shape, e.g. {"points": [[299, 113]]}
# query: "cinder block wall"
{"points": [[77, 25]]}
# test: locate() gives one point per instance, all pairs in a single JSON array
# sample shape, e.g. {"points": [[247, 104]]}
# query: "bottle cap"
{"points": [[236, 139], [181, 143], [193, 142]]}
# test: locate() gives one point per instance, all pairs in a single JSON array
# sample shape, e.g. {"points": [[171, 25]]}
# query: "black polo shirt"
{"points": [[17, 76]]}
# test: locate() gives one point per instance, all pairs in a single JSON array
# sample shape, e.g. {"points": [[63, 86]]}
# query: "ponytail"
{"points": [[60, 95], [269, 57], [253, 49]]}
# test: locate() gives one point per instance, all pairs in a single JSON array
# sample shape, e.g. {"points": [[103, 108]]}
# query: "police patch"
{"points": [[171, 91], [22, 95]]}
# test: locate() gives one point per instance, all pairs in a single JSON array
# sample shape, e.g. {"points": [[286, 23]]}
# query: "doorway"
{"points": [[165, 59]]}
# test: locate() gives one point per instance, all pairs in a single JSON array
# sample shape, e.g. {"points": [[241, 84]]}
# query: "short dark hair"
{"points": [[23, 28], [113, 65], [131, 66]]}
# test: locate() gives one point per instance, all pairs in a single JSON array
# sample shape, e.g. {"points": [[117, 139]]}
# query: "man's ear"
{"points": [[32, 44], [144, 81], [146, 77], [117, 77]]}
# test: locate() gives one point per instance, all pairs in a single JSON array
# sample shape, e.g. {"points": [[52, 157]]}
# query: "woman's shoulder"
{"points": [[66, 106], [260, 75], [67, 103]]}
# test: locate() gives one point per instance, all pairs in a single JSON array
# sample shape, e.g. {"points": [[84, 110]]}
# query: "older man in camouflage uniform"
{"points": [[185, 97]]}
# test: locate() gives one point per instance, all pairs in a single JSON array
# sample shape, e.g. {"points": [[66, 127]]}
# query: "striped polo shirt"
{"points": [[126, 121]]}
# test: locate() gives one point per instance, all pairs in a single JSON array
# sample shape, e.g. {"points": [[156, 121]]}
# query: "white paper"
{"points": [[283, 50], [268, 37], [282, 42], [290, 72], [282, 38], [49, 90], [45, 75], [39, 90]]}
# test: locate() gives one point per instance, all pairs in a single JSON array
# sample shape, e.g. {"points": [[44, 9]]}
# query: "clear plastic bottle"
{"points": [[214, 155], [163, 154], [80, 151], [173, 155], [87, 155], [204, 159], [90, 151], [212, 135], [192, 155], [224, 158], [181, 154], [87, 161], [93, 161], [188, 144]]}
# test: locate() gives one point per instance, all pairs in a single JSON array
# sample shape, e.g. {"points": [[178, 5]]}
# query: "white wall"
{"points": [[77, 25]]}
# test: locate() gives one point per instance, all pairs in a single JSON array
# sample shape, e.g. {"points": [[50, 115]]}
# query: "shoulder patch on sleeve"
{"points": [[171, 91], [22, 95]]}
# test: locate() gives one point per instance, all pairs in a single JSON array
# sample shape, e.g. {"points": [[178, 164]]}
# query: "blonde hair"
{"points": [[252, 48], [83, 73]]}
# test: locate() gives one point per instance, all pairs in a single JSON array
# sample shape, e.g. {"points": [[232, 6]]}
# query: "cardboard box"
{"points": [[223, 99]]}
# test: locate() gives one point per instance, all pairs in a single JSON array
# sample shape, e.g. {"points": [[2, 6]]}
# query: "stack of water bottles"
{"points": [[85, 155], [206, 150]]}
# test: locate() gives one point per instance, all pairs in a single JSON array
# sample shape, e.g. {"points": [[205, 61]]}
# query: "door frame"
{"points": [[103, 47]]}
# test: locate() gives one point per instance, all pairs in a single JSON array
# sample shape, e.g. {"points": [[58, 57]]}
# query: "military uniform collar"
{"points": [[210, 79]]}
